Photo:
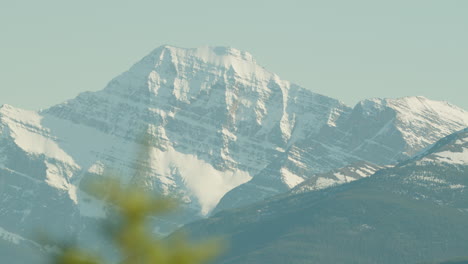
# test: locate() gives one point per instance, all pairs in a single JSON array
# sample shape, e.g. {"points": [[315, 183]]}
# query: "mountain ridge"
{"points": [[224, 132], [414, 212], [379, 131]]}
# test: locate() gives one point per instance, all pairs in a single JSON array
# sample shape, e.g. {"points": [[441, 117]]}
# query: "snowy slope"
{"points": [[413, 212], [214, 116], [335, 177], [417, 121], [379, 131], [218, 118], [220, 127], [455, 153]]}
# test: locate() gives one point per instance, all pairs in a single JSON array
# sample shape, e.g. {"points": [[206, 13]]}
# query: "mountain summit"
{"points": [[220, 127], [216, 119]]}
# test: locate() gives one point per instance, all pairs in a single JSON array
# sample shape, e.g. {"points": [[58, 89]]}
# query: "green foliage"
{"points": [[131, 234], [76, 256]]}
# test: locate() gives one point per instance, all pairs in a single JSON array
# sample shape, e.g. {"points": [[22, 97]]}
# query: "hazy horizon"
{"points": [[52, 50]]}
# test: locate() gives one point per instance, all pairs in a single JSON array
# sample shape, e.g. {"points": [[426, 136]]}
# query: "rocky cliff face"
{"points": [[214, 117], [379, 131], [202, 125]]}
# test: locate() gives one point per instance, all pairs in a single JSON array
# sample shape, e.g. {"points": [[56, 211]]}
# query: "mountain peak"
{"points": [[5, 106], [410, 104], [175, 67], [398, 100], [206, 51], [223, 56]]}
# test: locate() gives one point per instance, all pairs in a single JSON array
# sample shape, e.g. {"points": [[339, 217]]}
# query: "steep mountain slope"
{"points": [[203, 99], [411, 213], [198, 124], [383, 131], [213, 117], [213, 109], [380, 131]]}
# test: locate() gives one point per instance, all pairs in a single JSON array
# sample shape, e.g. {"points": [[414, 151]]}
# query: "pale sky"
{"points": [[51, 50]]}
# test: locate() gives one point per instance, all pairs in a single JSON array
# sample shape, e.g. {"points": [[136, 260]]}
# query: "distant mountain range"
{"points": [[224, 132], [414, 212]]}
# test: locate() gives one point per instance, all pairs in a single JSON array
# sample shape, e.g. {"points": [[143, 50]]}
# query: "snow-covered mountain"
{"points": [[215, 117], [219, 126], [379, 131], [414, 212]]}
